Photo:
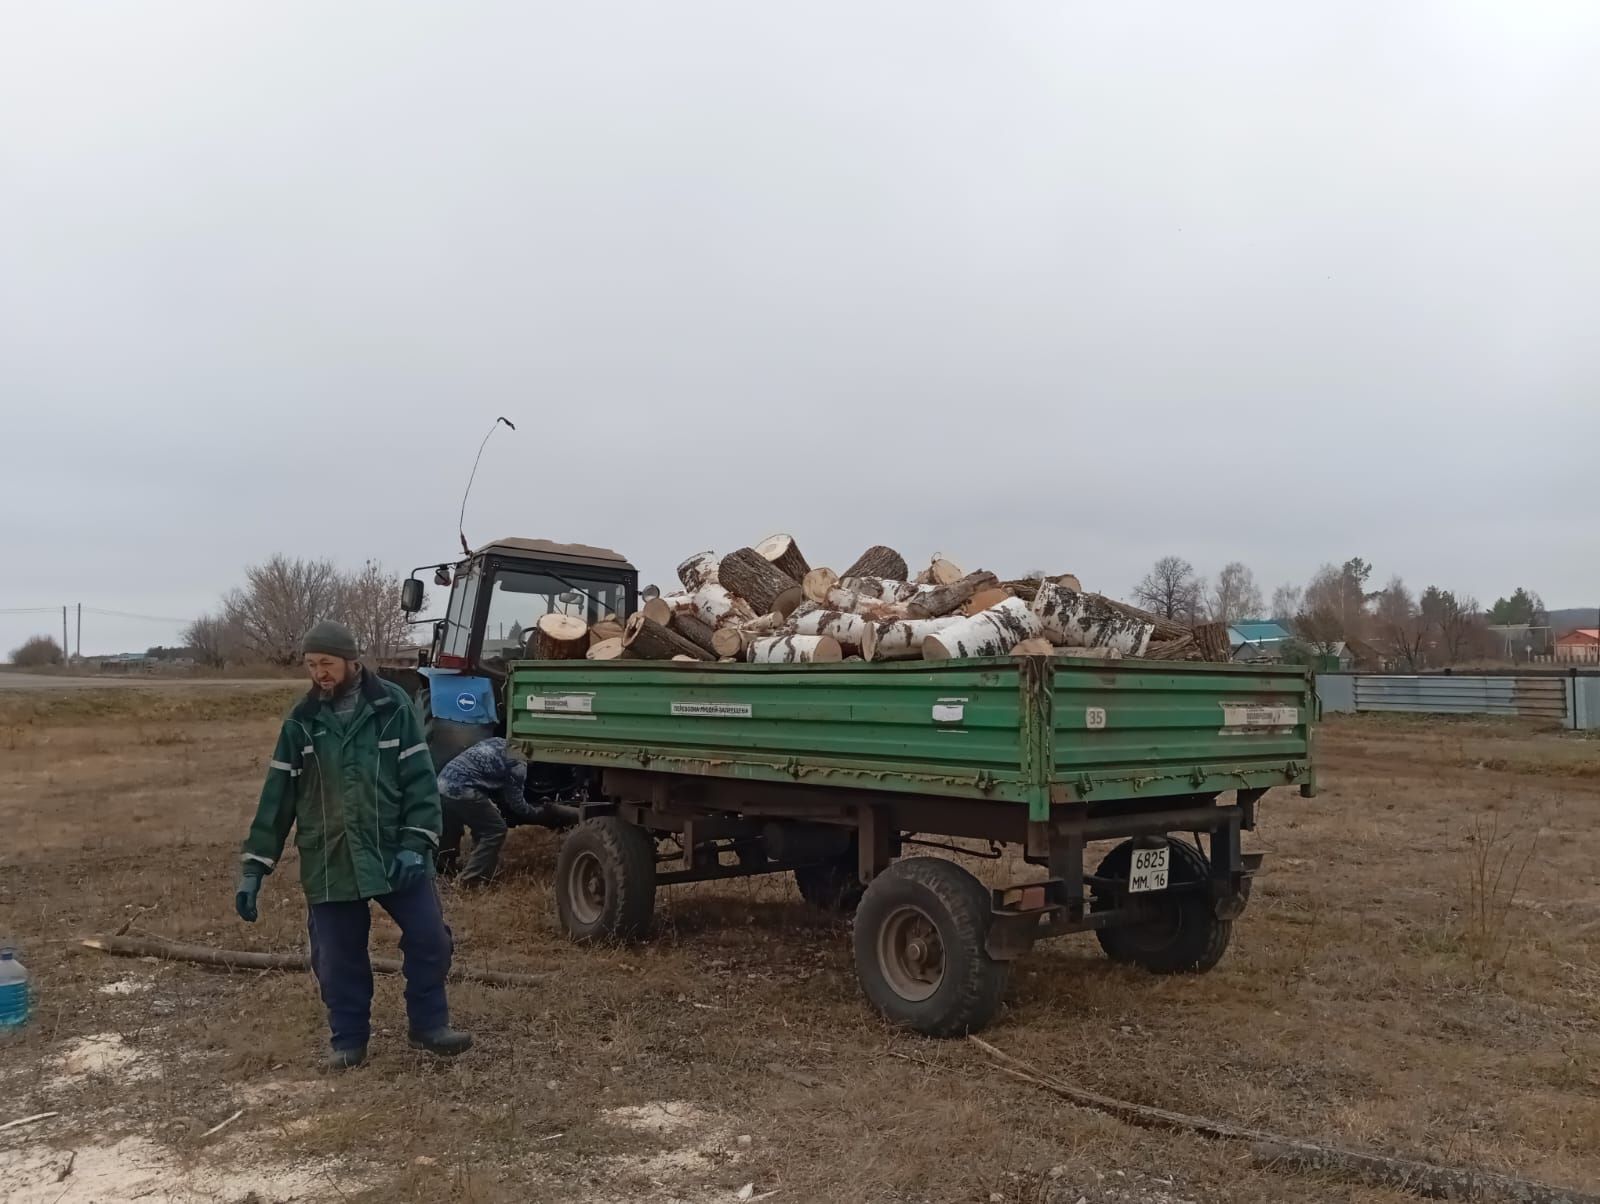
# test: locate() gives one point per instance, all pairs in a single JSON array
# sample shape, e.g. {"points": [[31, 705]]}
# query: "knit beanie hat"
{"points": [[330, 639]]}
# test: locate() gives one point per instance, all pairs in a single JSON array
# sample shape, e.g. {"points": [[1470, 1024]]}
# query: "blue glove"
{"points": [[244, 895], [407, 870]]}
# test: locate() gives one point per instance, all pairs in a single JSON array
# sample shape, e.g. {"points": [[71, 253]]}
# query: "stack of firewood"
{"points": [[766, 604]]}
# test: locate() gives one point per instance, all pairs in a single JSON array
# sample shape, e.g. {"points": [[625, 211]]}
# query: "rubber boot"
{"points": [[347, 1059], [444, 1042]]}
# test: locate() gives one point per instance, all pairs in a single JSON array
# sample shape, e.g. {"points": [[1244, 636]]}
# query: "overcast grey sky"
{"points": [[1063, 286]]}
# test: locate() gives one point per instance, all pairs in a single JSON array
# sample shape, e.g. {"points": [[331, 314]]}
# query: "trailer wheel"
{"points": [[832, 885], [606, 880], [1180, 933], [920, 951]]}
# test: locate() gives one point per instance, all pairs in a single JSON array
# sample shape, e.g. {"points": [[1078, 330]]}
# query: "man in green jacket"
{"points": [[352, 776]]}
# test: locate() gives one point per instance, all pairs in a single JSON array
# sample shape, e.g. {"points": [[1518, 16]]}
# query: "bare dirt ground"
{"points": [[1382, 991]]}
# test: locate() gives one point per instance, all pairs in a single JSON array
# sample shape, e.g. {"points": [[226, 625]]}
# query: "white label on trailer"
{"points": [[1239, 718], [950, 710], [1149, 870], [577, 706], [713, 710], [1094, 718]]}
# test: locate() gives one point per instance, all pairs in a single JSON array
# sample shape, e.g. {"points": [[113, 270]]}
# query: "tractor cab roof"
{"points": [[562, 553]]}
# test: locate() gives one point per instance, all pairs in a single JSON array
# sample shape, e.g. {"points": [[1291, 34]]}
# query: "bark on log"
{"points": [[1084, 621], [882, 589], [795, 650], [879, 561], [610, 650], [784, 554], [731, 641], [944, 599], [719, 608], [818, 583], [993, 633], [1037, 646], [605, 629], [1170, 650], [901, 639], [1165, 629], [694, 629], [1023, 587], [843, 626], [749, 575], [649, 640], [1091, 654], [232, 959], [559, 638], [1213, 642], [700, 569], [985, 598], [1270, 1149]]}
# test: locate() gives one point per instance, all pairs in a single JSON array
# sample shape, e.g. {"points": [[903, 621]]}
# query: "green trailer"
{"points": [[833, 772]]}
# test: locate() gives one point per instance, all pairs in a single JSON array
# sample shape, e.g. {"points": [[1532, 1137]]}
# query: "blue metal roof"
{"points": [[1257, 633]]}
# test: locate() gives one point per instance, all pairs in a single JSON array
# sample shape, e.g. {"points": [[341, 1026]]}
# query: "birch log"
{"points": [[1213, 641], [650, 641], [899, 640], [700, 569], [993, 632], [749, 575], [944, 572], [719, 608], [732, 640], [657, 610], [817, 583], [879, 561], [844, 627], [795, 650], [883, 589], [942, 599], [1084, 621], [1037, 646], [784, 554], [559, 637]]}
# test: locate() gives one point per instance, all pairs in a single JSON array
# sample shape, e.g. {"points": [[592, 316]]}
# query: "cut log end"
{"points": [[558, 637], [818, 584], [784, 554]]}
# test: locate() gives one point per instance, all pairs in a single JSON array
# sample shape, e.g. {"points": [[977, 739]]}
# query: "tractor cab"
{"points": [[497, 594]]}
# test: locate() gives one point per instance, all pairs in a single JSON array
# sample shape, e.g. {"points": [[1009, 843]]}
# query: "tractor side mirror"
{"points": [[411, 595]]}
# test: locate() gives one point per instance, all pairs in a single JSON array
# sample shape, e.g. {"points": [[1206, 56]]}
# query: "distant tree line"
{"points": [[1433, 629], [263, 620]]}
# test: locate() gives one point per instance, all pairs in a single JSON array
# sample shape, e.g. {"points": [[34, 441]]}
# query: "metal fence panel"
{"points": [[1549, 698]]}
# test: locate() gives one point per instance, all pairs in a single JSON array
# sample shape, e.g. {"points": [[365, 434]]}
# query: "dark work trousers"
{"points": [[344, 972], [481, 816]]}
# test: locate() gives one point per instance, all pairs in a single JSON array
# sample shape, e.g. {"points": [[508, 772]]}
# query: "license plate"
{"points": [[1149, 870]]}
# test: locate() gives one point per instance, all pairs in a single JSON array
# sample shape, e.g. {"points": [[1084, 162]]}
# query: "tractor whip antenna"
{"points": [[461, 521]]}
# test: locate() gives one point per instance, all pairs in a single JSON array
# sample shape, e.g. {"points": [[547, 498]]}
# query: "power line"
{"points": [[29, 610], [122, 614]]}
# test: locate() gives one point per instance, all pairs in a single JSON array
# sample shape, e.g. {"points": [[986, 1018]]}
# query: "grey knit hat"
{"points": [[330, 639]]}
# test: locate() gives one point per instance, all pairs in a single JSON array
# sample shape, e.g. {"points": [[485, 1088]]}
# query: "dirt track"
{"points": [[1372, 996]]}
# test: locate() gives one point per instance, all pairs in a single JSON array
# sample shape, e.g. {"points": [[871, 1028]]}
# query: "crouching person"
{"points": [[479, 789], [352, 777]]}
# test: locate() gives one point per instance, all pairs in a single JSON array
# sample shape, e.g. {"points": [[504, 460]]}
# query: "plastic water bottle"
{"points": [[14, 1003]]}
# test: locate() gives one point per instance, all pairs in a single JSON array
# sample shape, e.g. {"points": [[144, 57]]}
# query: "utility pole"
{"points": [[64, 644], [80, 630]]}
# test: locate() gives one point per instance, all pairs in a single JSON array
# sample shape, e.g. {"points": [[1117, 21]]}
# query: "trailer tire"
{"points": [[834, 885], [606, 880], [1184, 934], [918, 912]]}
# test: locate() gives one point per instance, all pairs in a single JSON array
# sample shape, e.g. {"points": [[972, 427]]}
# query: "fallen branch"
{"points": [[1269, 1149], [236, 959], [217, 1128], [27, 1120]]}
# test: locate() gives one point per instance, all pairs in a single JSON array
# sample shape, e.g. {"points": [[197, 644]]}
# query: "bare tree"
{"points": [[279, 602], [1321, 618], [35, 652], [369, 604], [216, 641], [1400, 628], [1235, 595], [1455, 622], [1285, 604], [1170, 589]]}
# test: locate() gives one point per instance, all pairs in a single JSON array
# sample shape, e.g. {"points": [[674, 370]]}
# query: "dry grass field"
{"points": [[1389, 987]]}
